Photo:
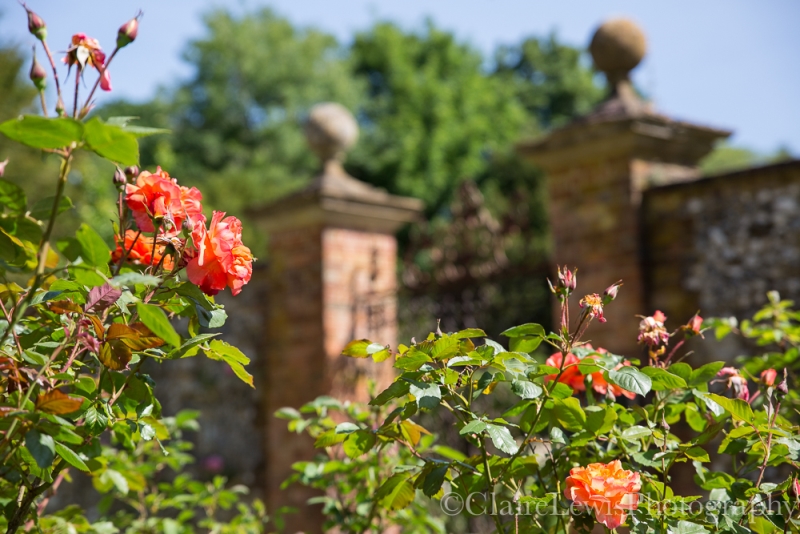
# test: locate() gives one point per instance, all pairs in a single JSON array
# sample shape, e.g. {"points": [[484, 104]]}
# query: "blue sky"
{"points": [[724, 63]]}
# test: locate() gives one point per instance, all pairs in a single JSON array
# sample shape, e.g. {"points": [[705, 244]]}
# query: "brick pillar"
{"points": [[597, 168], [332, 258]]}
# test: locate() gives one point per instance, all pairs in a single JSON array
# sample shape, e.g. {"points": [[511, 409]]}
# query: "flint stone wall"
{"points": [[719, 244]]}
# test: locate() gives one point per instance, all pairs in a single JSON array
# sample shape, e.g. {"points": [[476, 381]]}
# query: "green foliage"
{"points": [[77, 324], [521, 457]]}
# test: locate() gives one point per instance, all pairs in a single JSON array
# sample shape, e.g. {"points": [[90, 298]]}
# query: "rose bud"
{"points": [[60, 106], [38, 75], [768, 377], [127, 32], [119, 177], [611, 292], [796, 487], [36, 25], [131, 172]]}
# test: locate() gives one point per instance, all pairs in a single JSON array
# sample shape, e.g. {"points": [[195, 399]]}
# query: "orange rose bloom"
{"points": [[571, 375], [141, 252], [221, 258], [607, 489], [156, 195]]}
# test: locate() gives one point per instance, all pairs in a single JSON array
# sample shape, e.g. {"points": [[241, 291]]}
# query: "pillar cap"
{"points": [[334, 198]]}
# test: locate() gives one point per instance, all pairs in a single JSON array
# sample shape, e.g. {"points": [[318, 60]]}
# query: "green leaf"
{"points": [[236, 360], [413, 360], [357, 348], [395, 391], [631, 379], [358, 443], [469, 332], [434, 480], [705, 373], [663, 380], [687, 527], [529, 329], [396, 493], [12, 197], [739, 409], [346, 428], [42, 447], [600, 420], [138, 131], [329, 438], [569, 413], [502, 439], [94, 250], [70, 457], [636, 432], [132, 278], [697, 453], [427, 395], [39, 132], [156, 320], [44, 207], [526, 389], [473, 427], [111, 142]]}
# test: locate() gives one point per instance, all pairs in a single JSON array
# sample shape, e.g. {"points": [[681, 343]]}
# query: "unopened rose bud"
{"points": [[36, 25], [611, 292], [796, 487], [127, 32], [38, 75], [768, 377], [567, 279], [60, 106], [119, 177], [694, 326], [131, 172]]}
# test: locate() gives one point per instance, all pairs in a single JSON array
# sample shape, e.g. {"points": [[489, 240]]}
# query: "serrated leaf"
{"points": [[529, 329], [111, 142], [357, 348], [469, 332], [236, 360], [40, 132], [12, 197], [501, 438], [434, 480], [101, 297], [663, 380], [396, 492], [739, 409], [358, 443], [631, 379], [473, 427], [569, 413], [394, 391], [94, 250], [58, 403], [697, 453], [70, 457], [329, 438], [526, 389], [42, 447]]}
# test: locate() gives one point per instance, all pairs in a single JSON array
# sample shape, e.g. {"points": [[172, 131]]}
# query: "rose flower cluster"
{"points": [[573, 377], [214, 256]]}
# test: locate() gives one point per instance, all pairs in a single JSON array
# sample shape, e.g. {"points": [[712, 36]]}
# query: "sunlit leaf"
{"points": [[58, 403]]}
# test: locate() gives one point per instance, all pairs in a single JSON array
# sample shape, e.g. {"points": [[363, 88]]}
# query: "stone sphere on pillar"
{"points": [[617, 47], [331, 130]]}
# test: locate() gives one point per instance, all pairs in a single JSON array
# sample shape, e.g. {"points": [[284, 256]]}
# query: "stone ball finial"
{"points": [[331, 130], [617, 47]]}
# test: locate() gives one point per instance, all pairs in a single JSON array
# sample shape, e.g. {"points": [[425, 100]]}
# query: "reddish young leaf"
{"points": [[146, 339], [115, 354], [58, 403], [64, 306], [102, 297], [99, 331]]}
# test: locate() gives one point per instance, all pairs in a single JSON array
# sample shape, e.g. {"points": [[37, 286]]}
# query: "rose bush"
{"points": [[79, 321], [593, 438]]}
